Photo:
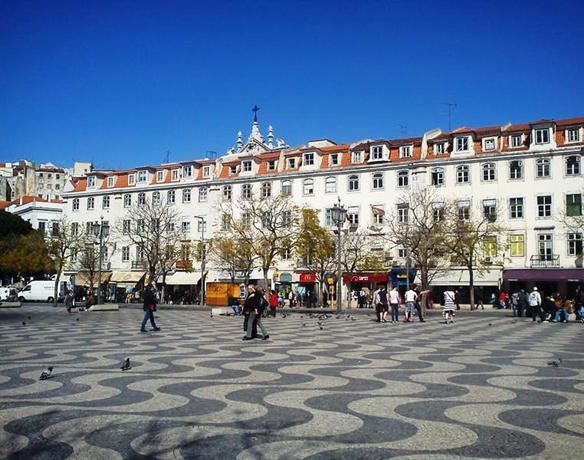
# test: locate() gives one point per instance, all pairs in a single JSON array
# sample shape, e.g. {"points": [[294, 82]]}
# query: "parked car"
{"points": [[40, 291]]}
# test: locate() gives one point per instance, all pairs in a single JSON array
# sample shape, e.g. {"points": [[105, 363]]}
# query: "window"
{"points": [[266, 190], [127, 200], [461, 144], [131, 179], [516, 140], [141, 198], [544, 206], [490, 210], [286, 187], [155, 197], [57, 186], [201, 225], [246, 191], [464, 210], [402, 253], [88, 227], [91, 182], [105, 202], [377, 152], [90, 203], [330, 185], [438, 212], [489, 170], [574, 244], [126, 226], [75, 204], [353, 215], [402, 213], [291, 163], [203, 193], [74, 228], [206, 172], [462, 175], [438, 176], [140, 225], [286, 253], [356, 157], [353, 183], [517, 245], [573, 135], [574, 205], [232, 170], [159, 176], [42, 227], [142, 176], [308, 187], [546, 246], [542, 136], [378, 181], [187, 171], [378, 214], [175, 174], [440, 149], [125, 253], [489, 144], [246, 219], [272, 165], [334, 159], [55, 229], [490, 246], [171, 197], [286, 217], [186, 226], [328, 218], [246, 166], [573, 165], [515, 169], [403, 178], [405, 151], [111, 181], [542, 168], [227, 192], [186, 195], [309, 159], [225, 222], [516, 208]]}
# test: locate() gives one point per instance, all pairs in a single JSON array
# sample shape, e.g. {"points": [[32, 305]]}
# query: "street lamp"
{"points": [[101, 228], [339, 215], [203, 224]]}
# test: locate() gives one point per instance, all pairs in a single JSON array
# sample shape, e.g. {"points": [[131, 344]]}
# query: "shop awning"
{"points": [[545, 274], [82, 278], [460, 277], [183, 279], [126, 277], [366, 278]]}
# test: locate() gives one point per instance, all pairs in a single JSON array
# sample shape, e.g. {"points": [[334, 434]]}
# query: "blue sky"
{"points": [[121, 83]]}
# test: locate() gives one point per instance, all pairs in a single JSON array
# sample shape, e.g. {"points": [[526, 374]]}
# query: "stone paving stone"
{"points": [[356, 389]]}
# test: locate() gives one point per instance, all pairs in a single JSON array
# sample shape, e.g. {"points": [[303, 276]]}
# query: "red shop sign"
{"points": [[373, 278], [307, 278]]}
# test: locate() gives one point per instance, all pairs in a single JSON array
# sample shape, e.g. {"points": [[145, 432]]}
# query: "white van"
{"points": [[40, 291]]}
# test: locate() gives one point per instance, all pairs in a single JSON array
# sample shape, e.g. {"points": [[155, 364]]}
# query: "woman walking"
{"points": [[449, 306]]}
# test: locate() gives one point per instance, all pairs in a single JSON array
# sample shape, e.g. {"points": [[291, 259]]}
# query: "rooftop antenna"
{"points": [[403, 129], [451, 105]]}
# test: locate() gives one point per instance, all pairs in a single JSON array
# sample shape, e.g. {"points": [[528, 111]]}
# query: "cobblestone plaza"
{"points": [[480, 388]]}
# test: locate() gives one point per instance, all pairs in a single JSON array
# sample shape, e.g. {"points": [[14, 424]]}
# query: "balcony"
{"points": [[137, 265], [545, 261]]}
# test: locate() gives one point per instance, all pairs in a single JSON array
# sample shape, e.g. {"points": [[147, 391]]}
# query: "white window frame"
{"points": [[491, 169], [246, 166], [186, 195], [246, 191], [335, 159], [266, 189], [111, 181], [308, 187], [125, 253], [171, 197], [406, 151], [227, 192], [572, 139], [291, 163], [575, 170], [90, 203], [127, 200], [463, 174], [131, 179], [377, 152], [159, 176], [378, 181], [356, 157], [489, 139], [351, 180], [546, 208], [572, 239], [330, 184], [401, 177], [462, 144], [353, 215], [272, 165], [156, 198], [440, 176], [75, 204], [515, 141], [308, 159], [440, 148], [516, 207], [105, 202], [542, 136], [546, 165], [175, 175], [142, 176], [141, 199], [203, 194], [286, 187], [187, 171], [403, 211], [206, 172], [232, 170], [518, 172], [91, 182], [463, 207]]}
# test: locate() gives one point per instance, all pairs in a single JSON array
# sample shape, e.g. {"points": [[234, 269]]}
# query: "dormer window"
{"points": [[542, 136], [246, 166], [272, 165], [91, 182], [206, 172], [439, 149], [461, 144], [309, 159], [516, 140], [142, 176], [356, 157], [291, 163], [573, 135], [334, 159], [405, 151], [377, 152], [131, 179], [111, 181], [159, 176], [175, 174], [489, 144], [187, 171], [232, 170]]}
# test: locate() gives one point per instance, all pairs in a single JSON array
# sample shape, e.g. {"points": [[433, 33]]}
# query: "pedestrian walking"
{"points": [[384, 302], [515, 303], [534, 301], [417, 305], [480, 298], [68, 300], [149, 308], [410, 298], [273, 303], [252, 310], [522, 303], [394, 301], [449, 306]]}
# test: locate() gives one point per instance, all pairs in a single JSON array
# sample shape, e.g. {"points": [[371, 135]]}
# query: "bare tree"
{"points": [[87, 255], [233, 255], [64, 242], [421, 229]]}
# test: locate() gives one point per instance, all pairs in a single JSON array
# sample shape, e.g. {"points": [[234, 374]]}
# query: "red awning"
{"points": [[366, 278], [307, 278]]}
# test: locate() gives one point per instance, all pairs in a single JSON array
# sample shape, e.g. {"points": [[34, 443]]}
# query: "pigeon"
{"points": [[211, 314], [555, 362], [29, 317], [284, 315], [126, 366], [46, 374], [301, 316], [24, 323], [490, 324], [303, 324], [352, 319], [77, 319], [321, 328]]}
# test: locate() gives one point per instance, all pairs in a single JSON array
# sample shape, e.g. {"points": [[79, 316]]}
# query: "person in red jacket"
{"points": [[273, 302]]}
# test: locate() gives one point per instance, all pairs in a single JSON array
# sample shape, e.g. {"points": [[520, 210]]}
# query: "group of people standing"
{"points": [[385, 301], [551, 308]]}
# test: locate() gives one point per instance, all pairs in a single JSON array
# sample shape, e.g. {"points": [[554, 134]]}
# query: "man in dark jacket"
{"points": [[522, 303], [251, 310], [149, 308]]}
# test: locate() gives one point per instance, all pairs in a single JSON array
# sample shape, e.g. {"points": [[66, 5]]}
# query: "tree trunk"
{"points": [[471, 285], [321, 292], [424, 277], [56, 289], [265, 270]]}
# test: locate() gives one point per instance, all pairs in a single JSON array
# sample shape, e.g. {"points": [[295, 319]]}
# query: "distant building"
{"points": [[43, 214]]}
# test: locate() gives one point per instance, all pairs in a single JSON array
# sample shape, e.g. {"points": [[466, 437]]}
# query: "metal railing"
{"points": [[545, 261]]}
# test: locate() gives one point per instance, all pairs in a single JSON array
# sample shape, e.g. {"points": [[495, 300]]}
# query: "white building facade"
{"points": [[527, 176]]}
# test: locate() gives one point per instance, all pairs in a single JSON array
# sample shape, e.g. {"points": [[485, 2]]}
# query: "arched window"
{"points": [[462, 174], [438, 177], [155, 197], [403, 179], [330, 185], [308, 187], [266, 190], [515, 169], [286, 187], [489, 172], [141, 198], [227, 192], [353, 183], [377, 181]]}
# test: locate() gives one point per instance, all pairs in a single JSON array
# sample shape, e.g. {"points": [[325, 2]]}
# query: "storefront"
{"points": [[124, 286], [182, 287], [548, 280], [82, 281], [283, 283], [366, 282], [308, 293], [486, 284]]}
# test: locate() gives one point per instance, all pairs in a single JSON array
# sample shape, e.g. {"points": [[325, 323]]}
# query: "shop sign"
{"points": [[307, 278], [369, 278], [286, 277], [330, 279]]}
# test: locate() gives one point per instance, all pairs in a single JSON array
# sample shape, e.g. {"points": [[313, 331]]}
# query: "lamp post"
{"points": [[203, 222], [100, 228], [338, 214]]}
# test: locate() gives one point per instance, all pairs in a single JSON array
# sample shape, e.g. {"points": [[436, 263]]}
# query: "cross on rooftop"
{"points": [[255, 111]]}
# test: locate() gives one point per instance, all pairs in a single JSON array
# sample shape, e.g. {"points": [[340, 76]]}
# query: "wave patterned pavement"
{"points": [[480, 388]]}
